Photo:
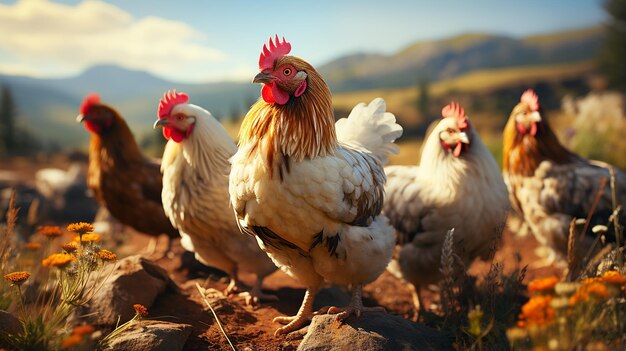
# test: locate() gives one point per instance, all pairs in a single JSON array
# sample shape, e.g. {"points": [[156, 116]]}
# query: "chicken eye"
{"points": [[180, 117], [450, 131], [287, 71]]}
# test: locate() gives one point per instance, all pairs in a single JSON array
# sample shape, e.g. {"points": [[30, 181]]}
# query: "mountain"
{"points": [[48, 106], [451, 57]]}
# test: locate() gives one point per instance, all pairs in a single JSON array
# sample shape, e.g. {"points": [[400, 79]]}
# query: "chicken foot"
{"points": [[304, 315], [355, 307]]}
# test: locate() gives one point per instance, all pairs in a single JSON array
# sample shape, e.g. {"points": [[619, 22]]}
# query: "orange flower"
{"points": [[80, 228], [33, 246], [141, 310], [83, 329], [17, 278], [87, 238], [107, 255], [594, 287], [70, 247], [538, 310], [72, 340], [543, 284], [50, 231], [614, 277], [58, 260]]}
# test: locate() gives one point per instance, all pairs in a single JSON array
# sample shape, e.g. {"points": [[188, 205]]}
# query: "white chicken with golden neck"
{"points": [[195, 171], [309, 189]]}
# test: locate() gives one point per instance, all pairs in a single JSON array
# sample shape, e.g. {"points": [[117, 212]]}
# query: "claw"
{"points": [[355, 307]]}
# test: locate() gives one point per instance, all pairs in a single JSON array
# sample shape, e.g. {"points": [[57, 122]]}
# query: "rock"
{"points": [[371, 332], [9, 323], [134, 280], [148, 335]]}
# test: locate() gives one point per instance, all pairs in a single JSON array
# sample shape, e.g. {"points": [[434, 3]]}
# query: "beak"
{"points": [[80, 118], [161, 123], [262, 78], [463, 138], [535, 117]]}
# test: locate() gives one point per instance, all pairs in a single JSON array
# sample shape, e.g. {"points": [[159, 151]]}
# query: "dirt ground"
{"points": [[252, 328]]}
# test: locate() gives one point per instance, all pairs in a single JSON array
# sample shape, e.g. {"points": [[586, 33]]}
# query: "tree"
{"points": [[613, 54], [8, 112]]}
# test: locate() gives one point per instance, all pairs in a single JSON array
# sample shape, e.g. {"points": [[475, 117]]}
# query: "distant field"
{"points": [[402, 101]]}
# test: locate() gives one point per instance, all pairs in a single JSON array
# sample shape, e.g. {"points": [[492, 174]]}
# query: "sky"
{"points": [[215, 40]]}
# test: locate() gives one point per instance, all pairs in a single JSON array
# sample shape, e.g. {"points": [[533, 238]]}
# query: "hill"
{"points": [[447, 58], [48, 106]]}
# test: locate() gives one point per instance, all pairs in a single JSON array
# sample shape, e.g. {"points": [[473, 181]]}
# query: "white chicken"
{"points": [[456, 185], [195, 192], [310, 190]]}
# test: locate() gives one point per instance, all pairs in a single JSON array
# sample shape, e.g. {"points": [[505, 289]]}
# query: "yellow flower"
{"points": [[141, 310], [72, 340], [543, 284], [70, 247], [87, 238], [614, 277], [17, 278], [50, 231], [80, 228], [537, 311], [58, 260], [33, 246], [107, 255]]}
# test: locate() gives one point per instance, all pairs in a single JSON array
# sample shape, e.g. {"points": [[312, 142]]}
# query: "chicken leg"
{"points": [[304, 315], [256, 294], [355, 307]]}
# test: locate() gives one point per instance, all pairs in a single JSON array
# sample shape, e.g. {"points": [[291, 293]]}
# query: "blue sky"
{"points": [[220, 40]]}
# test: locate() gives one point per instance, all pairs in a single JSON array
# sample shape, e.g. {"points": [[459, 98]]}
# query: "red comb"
{"points": [[89, 101], [455, 110], [170, 99], [531, 99], [273, 51]]}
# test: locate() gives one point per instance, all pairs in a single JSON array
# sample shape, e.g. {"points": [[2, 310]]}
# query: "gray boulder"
{"points": [[371, 332], [148, 335]]}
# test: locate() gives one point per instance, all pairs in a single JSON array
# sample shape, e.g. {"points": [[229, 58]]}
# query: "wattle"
{"points": [[272, 93], [92, 127], [173, 134], [533, 128]]}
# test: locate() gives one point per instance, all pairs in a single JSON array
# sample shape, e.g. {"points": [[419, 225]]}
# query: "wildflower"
{"points": [[141, 310], [88, 237], [594, 287], [599, 229], [50, 231], [83, 329], [107, 255], [33, 246], [538, 310], [58, 260], [614, 277], [70, 247], [17, 278], [80, 228], [543, 284], [72, 340]]}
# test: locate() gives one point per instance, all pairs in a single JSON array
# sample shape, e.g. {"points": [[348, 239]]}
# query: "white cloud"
{"points": [[39, 33]]}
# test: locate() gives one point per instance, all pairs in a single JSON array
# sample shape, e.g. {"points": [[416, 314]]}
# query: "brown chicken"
{"points": [[550, 185], [122, 179]]}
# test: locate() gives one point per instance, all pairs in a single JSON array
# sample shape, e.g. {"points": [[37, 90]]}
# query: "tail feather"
{"points": [[372, 128]]}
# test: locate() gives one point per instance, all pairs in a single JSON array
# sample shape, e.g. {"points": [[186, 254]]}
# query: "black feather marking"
{"points": [[317, 239], [331, 244], [269, 238]]}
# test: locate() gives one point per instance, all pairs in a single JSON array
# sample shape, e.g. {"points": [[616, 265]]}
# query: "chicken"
{"points": [[121, 178], [195, 196], [456, 185], [550, 185], [309, 189]]}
